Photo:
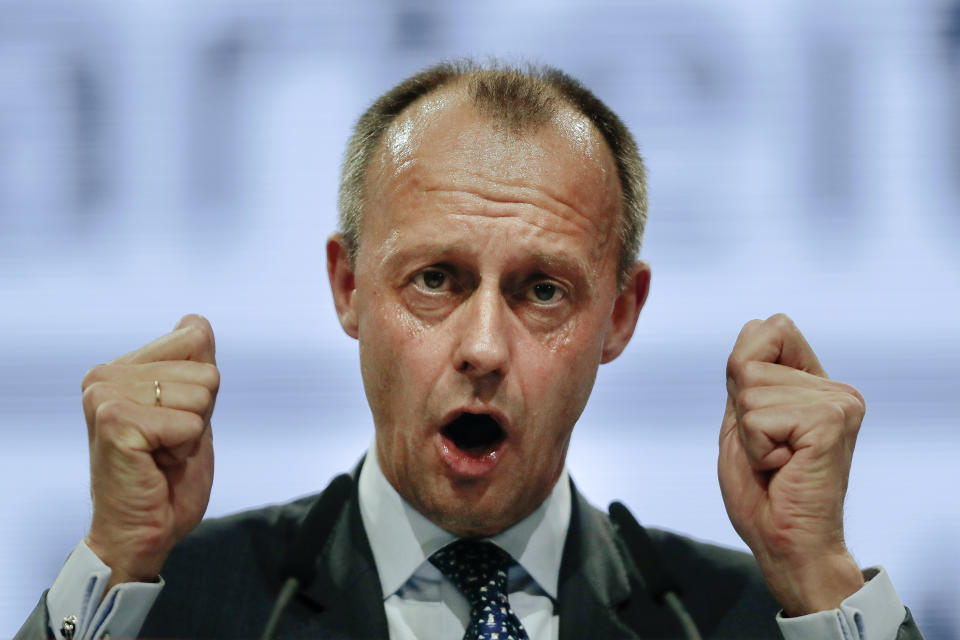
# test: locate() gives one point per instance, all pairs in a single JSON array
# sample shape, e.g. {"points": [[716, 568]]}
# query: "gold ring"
{"points": [[156, 388]]}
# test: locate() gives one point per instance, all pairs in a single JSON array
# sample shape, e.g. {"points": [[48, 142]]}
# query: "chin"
{"points": [[472, 525], [468, 518]]}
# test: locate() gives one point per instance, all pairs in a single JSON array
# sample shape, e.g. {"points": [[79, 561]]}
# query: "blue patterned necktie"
{"points": [[479, 570]]}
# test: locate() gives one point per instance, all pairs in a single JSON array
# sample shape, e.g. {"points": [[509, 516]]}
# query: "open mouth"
{"points": [[474, 433]]}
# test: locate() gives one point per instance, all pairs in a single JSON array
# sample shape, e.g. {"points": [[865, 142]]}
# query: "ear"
{"points": [[342, 283], [626, 311]]}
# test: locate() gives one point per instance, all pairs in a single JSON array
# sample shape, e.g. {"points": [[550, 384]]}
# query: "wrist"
{"points": [[818, 583], [125, 567]]}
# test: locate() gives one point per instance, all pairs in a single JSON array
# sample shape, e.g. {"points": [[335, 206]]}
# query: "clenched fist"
{"points": [[786, 444], [151, 452]]}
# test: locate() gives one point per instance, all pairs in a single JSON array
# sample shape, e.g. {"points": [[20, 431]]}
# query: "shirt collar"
{"points": [[402, 539]]}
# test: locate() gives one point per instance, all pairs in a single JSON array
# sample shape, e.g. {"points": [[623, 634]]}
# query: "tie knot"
{"points": [[478, 569]]}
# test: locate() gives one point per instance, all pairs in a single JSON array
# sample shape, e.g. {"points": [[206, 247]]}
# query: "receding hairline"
{"points": [[459, 90], [521, 98]]}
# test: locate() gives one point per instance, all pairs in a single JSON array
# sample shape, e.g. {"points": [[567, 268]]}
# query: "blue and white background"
{"points": [[159, 158]]}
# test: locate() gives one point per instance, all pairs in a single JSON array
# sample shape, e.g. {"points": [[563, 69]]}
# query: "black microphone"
{"points": [[661, 585], [299, 565]]}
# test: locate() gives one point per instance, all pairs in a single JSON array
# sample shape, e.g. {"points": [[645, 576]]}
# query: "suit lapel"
{"points": [[600, 593], [346, 599]]}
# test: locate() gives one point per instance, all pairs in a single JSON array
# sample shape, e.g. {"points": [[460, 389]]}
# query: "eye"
{"points": [[432, 280], [545, 292]]}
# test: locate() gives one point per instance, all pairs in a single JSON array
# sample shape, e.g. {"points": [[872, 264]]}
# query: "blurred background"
{"points": [[159, 158]]}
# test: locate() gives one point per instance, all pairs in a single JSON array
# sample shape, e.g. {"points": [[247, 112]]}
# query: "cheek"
{"points": [[400, 360], [565, 375]]}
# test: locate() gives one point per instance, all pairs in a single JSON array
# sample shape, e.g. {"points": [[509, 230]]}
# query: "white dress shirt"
{"points": [[420, 602]]}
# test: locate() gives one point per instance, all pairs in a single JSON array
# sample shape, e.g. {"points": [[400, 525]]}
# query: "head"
{"points": [[481, 267], [514, 96]]}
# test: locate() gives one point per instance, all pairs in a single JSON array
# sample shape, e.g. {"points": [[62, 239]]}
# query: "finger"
{"points": [[818, 427], [172, 395], [774, 340], [128, 425], [848, 408], [191, 340], [167, 458], [754, 398], [201, 323], [755, 373], [765, 434], [182, 371]]}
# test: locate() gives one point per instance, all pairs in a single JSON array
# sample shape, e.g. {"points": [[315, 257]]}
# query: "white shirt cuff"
{"points": [[78, 591], [875, 612]]}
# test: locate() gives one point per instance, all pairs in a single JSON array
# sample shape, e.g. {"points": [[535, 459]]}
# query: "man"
{"points": [[486, 264]]}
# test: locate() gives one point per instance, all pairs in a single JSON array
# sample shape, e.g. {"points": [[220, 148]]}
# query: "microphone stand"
{"points": [[299, 564], [659, 583]]}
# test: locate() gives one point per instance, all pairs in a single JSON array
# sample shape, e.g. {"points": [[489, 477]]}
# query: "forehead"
{"points": [[443, 139]]}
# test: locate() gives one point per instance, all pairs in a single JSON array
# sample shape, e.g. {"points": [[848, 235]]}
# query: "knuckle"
{"points": [[94, 395], [199, 321], [854, 396], [736, 364], [752, 373], [201, 336], [194, 423], [96, 374], [211, 377], [746, 399], [854, 406], [748, 424], [835, 413], [750, 326], [206, 397], [109, 412], [781, 321]]}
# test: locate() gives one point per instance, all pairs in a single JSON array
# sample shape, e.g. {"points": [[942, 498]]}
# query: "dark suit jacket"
{"points": [[223, 578]]}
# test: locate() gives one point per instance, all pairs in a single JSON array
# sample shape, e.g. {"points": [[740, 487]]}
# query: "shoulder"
{"points": [[685, 554], [723, 585], [682, 555], [722, 588], [224, 562], [262, 533]]}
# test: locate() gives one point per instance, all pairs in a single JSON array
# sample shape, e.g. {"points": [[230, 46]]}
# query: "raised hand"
{"points": [[786, 443], [151, 464]]}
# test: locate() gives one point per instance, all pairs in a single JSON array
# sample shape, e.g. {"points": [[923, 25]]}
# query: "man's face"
{"points": [[484, 298]]}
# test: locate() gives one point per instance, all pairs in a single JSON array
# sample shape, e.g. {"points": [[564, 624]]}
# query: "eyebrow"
{"points": [[430, 253], [566, 265], [423, 251]]}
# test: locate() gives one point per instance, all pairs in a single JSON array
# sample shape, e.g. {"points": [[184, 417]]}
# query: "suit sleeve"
{"points": [[36, 626], [908, 629], [79, 593], [875, 612]]}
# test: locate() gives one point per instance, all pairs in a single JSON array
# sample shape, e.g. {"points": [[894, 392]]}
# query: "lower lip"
{"points": [[466, 464]]}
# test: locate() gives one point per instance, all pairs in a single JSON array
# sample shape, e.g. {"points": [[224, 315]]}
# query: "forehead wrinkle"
{"points": [[424, 251], [526, 197], [400, 166]]}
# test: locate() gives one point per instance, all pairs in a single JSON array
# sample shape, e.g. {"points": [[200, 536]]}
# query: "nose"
{"points": [[484, 345]]}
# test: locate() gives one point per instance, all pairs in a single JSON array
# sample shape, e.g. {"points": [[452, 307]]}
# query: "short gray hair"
{"points": [[520, 98]]}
